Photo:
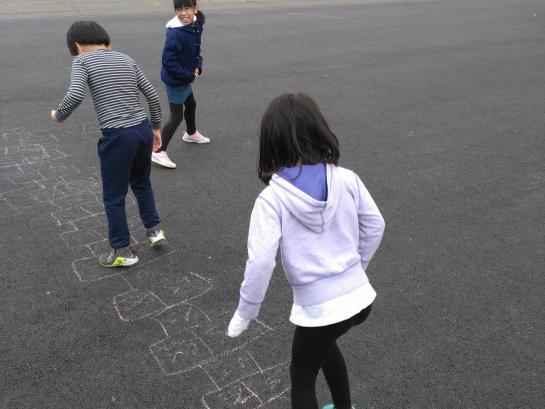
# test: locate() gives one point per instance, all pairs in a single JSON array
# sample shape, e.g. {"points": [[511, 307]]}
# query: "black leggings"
{"points": [[314, 348], [177, 113]]}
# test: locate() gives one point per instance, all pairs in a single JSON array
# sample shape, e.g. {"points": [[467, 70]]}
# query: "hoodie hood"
{"points": [[314, 214], [175, 22]]}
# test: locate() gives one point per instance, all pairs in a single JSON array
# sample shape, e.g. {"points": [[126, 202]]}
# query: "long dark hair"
{"points": [[294, 131], [86, 32], [180, 4]]}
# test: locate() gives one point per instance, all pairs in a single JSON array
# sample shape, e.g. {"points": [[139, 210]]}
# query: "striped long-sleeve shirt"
{"points": [[114, 81]]}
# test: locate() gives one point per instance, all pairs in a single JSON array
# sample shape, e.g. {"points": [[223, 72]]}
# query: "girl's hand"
{"points": [[157, 141], [53, 115], [197, 71], [237, 326]]}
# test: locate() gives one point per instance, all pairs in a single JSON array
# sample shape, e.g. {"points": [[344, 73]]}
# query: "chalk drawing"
{"points": [[135, 305], [254, 391], [37, 177], [212, 336], [231, 368]]}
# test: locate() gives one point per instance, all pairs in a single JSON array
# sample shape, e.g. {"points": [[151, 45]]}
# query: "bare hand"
{"points": [[53, 115], [157, 142], [197, 71]]}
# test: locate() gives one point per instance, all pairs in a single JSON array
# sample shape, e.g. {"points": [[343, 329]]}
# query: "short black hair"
{"points": [[180, 4], [294, 131], [86, 32]]}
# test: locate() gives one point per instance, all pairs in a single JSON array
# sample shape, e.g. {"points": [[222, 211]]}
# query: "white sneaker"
{"points": [[195, 138], [155, 237], [162, 159]]}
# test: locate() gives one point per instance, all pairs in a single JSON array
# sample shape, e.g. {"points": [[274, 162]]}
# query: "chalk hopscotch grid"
{"points": [[35, 173]]}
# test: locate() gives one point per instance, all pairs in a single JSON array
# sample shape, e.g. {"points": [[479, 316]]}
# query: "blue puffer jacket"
{"points": [[182, 52]]}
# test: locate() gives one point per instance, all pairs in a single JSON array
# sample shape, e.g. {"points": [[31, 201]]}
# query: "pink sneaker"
{"points": [[162, 159], [195, 138]]}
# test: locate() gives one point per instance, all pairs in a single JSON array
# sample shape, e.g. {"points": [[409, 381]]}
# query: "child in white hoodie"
{"points": [[328, 228]]}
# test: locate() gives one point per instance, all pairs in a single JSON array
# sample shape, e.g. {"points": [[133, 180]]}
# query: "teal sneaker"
{"points": [[155, 236], [122, 257], [330, 406]]}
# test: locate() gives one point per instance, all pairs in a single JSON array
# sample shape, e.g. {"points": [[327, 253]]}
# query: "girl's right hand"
{"points": [[237, 325]]}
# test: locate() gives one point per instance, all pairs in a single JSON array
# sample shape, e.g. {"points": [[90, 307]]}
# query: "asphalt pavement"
{"points": [[439, 106]]}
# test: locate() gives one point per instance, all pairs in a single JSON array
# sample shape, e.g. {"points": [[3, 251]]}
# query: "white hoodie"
{"points": [[325, 245]]}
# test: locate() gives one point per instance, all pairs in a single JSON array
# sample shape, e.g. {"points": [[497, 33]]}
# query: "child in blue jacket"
{"points": [[182, 63]]}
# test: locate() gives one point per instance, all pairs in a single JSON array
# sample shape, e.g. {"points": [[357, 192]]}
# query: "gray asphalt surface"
{"points": [[438, 105]]}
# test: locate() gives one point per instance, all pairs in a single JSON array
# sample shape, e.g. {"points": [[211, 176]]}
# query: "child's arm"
{"points": [[371, 224], [149, 92], [75, 93], [199, 58], [263, 240]]}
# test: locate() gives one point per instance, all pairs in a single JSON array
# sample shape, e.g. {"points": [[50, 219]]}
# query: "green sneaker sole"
{"points": [[120, 262]]}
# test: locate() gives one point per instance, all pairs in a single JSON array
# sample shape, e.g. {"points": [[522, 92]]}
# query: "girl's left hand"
{"points": [[197, 71], [237, 325]]}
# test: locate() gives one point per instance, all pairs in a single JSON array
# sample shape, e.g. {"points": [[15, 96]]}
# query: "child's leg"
{"points": [[176, 116], [311, 347], [189, 114], [140, 177], [116, 150], [334, 368], [315, 348], [336, 375]]}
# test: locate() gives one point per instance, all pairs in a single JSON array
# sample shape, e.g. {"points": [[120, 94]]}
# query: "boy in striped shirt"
{"points": [[128, 138]]}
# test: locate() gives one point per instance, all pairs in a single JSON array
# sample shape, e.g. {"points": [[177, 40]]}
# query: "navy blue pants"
{"points": [[125, 159]]}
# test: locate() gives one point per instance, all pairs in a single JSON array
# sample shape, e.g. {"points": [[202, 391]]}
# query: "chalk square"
{"points": [[136, 305], [173, 288], [88, 270], [236, 396], [181, 317], [271, 383], [180, 353], [231, 368], [215, 335]]}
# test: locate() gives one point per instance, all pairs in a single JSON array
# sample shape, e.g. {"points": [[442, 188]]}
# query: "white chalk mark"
{"points": [[211, 378], [161, 324]]}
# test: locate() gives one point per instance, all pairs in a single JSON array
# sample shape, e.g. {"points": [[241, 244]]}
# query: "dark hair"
{"points": [[294, 131], [86, 32], [180, 4]]}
